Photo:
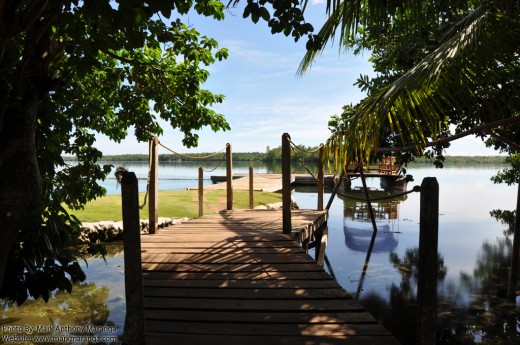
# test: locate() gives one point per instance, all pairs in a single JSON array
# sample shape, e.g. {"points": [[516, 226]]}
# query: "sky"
{"points": [[264, 97]]}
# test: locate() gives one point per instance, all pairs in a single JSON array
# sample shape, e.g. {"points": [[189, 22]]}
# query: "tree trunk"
{"points": [[20, 180], [21, 187]]}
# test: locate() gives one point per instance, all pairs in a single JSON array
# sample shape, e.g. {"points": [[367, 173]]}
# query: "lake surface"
{"points": [[474, 251]]}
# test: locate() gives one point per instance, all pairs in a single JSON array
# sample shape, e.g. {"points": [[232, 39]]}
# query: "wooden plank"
{"points": [[226, 244], [230, 267], [269, 293], [237, 257], [242, 283], [217, 237], [157, 338], [274, 305], [338, 329], [223, 251], [261, 317], [217, 275]]}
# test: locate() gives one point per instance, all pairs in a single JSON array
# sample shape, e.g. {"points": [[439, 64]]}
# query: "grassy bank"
{"points": [[181, 203]]}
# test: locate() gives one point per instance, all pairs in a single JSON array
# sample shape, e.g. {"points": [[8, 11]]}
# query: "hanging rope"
{"points": [[215, 168], [302, 163], [149, 173], [302, 150], [192, 157]]}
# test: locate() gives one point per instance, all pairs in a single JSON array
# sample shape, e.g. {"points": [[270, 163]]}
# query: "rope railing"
{"points": [[216, 167], [306, 151], [149, 172], [152, 181], [192, 157]]}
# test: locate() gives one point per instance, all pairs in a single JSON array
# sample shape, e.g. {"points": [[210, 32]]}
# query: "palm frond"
{"points": [[415, 104]]}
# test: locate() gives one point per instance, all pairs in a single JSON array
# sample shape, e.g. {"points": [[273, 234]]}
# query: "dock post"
{"points": [[516, 250], [134, 331], [286, 183], [229, 177], [251, 190], [321, 244], [321, 178], [153, 202], [428, 262], [200, 192]]}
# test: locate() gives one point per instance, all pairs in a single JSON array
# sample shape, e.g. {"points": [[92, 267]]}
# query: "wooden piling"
{"points": [[321, 178], [251, 188], [229, 177], [321, 244], [516, 250], [134, 331], [428, 262], [200, 191], [153, 191], [286, 183]]}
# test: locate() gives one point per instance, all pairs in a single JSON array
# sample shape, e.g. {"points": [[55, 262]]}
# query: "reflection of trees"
{"points": [[475, 310], [487, 315], [398, 314], [86, 305]]}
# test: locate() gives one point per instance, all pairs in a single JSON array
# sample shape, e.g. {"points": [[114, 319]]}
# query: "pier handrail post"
{"points": [[200, 192], [134, 331], [516, 250], [153, 191], [428, 262], [321, 178], [229, 177], [286, 183], [251, 186]]}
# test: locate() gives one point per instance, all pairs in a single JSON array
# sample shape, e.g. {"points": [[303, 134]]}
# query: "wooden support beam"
{"points": [[153, 189], [516, 250], [200, 191], [428, 262], [251, 188], [134, 331], [321, 178], [286, 183], [229, 177]]}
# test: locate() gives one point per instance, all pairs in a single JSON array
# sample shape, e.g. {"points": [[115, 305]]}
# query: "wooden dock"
{"points": [[234, 278], [261, 182]]}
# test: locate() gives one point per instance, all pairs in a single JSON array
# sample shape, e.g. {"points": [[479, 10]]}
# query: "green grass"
{"points": [[173, 204]]}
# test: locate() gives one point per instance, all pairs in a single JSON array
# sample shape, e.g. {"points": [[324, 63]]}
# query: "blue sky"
{"points": [[264, 97]]}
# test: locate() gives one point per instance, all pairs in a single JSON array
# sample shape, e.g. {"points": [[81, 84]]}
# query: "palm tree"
{"points": [[459, 81]]}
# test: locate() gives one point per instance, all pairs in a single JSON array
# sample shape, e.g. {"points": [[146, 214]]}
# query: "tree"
{"points": [[70, 69], [439, 63]]}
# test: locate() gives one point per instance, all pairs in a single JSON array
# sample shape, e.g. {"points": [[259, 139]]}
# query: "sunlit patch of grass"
{"points": [[183, 203]]}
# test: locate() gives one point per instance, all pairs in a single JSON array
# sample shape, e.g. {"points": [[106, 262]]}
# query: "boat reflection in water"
{"points": [[358, 226]]}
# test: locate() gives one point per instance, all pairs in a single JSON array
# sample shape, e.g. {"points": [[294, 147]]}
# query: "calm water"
{"points": [[474, 254]]}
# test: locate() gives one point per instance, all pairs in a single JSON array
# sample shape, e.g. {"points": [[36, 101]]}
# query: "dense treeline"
{"points": [[275, 154], [470, 160], [300, 152]]}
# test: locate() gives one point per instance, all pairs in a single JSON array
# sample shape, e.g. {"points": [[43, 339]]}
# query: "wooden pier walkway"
{"points": [[234, 278]]}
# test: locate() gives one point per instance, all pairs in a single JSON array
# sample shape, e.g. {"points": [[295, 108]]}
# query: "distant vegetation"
{"points": [[465, 160], [275, 155], [270, 155]]}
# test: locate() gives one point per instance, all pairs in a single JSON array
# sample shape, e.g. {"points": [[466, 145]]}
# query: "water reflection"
{"points": [[475, 310], [471, 310], [99, 301], [357, 226], [474, 259]]}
